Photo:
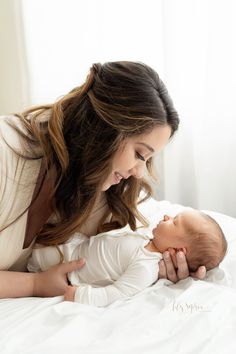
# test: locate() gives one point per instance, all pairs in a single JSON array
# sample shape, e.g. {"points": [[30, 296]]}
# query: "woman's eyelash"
{"points": [[139, 156]]}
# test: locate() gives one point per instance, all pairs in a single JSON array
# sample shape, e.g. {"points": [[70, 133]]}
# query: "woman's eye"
{"points": [[140, 157]]}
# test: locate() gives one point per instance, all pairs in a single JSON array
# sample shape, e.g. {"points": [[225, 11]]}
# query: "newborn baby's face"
{"points": [[171, 232]]}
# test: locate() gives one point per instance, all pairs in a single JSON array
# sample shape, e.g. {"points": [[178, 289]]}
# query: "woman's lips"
{"points": [[117, 177]]}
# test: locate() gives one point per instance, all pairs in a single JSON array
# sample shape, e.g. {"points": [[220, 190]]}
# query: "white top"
{"points": [[18, 177], [117, 265]]}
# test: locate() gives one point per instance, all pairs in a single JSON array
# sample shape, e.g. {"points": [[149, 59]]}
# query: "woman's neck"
{"points": [[100, 202]]}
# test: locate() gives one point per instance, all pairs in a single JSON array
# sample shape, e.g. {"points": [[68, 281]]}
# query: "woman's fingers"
{"points": [[70, 293], [170, 268], [71, 266], [182, 265], [173, 256], [200, 273], [53, 282], [174, 267]]}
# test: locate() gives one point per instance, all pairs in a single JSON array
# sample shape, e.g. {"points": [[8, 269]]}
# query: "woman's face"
{"points": [[131, 157]]}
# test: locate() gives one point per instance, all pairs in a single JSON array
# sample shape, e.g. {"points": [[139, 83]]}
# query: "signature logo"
{"points": [[188, 307]]}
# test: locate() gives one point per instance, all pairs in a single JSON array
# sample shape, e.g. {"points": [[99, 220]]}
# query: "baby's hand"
{"points": [[70, 293]]}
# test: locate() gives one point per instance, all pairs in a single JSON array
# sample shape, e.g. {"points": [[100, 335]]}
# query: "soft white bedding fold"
{"points": [[191, 316]]}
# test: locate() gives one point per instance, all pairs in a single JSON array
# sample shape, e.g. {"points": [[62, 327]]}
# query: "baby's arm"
{"points": [[137, 277]]}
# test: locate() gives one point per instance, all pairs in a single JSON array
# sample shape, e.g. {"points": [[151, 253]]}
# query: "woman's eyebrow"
{"points": [[147, 146]]}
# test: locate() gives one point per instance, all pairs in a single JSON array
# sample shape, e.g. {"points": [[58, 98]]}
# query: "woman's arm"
{"points": [[52, 282], [174, 267], [16, 284]]}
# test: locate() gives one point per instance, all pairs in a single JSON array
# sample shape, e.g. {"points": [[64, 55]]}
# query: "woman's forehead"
{"points": [[155, 138]]}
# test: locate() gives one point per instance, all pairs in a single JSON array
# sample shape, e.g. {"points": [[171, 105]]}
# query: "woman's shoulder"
{"points": [[9, 137], [17, 174], [6, 120], [10, 146]]}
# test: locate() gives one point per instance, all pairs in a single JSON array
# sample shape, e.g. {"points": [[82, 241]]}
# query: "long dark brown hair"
{"points": [[84, 130]]}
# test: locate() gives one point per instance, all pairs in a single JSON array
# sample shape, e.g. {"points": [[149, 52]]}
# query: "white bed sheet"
{"points": [[197, 317]]}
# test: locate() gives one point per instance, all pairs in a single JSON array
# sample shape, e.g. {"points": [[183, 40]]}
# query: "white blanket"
{"points": [[192, 316]]}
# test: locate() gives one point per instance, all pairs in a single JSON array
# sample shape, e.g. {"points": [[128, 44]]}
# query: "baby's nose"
{"points": [[166, 217]]}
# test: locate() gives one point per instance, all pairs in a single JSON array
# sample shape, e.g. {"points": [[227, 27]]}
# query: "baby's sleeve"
{"points": [[137, 277], [43, 258]]}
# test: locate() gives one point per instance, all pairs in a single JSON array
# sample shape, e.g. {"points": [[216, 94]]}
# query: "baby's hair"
{"points": [[207, 248]]}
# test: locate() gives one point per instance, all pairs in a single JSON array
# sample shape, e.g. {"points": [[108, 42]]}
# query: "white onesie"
{"points": [[117, 265]]}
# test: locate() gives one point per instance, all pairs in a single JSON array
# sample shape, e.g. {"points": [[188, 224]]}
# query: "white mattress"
{"points": [[188, 317]]}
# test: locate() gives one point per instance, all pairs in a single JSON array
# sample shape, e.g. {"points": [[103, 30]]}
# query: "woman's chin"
{"points": [[105, 187]]}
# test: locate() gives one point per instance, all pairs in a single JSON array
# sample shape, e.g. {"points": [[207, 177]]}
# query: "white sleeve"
{"points": [[137, 277], [43, 258]]}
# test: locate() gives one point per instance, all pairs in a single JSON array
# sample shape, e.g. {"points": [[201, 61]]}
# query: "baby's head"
{"points": [[195, 233]]}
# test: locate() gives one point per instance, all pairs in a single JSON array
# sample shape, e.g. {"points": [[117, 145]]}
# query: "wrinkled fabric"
{"points": [[192, 316]]}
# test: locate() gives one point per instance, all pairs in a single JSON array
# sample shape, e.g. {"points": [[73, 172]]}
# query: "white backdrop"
{"points": [[190, 43], [200, 52]]}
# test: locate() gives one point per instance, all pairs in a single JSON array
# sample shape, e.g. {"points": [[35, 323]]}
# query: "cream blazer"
{"points": [[18, 178]]}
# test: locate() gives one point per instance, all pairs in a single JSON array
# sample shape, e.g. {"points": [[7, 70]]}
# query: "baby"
{"points": [[121, 263]]}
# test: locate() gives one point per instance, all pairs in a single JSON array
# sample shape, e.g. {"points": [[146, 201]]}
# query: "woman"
{"points": [[78, 165]]}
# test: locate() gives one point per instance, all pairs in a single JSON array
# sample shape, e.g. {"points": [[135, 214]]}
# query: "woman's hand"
{"points": [[54, 282], [70, 293], [174, 267]]}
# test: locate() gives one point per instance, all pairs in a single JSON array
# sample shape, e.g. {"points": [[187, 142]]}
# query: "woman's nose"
{"points": [[137, 171]]}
